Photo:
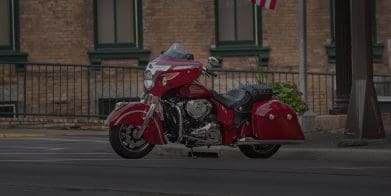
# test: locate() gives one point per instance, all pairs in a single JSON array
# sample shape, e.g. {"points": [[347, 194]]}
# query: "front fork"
{"points": [[152, 101], [146, 119]]}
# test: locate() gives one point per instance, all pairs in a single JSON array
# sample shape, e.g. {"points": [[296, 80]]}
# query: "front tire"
{"points": [[259, 151], [125, 145]]}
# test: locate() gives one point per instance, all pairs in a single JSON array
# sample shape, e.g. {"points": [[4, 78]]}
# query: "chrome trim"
{"points": [[147, 118], [126, 114], [252, 141], [180, 126], [119, 105], [154, 120]]}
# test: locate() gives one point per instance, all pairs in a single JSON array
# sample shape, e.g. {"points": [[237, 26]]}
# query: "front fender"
{"points": [[133, 114]]}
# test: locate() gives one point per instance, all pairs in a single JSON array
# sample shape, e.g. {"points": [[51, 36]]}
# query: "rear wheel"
{"points": [[259, 151], [124, 143]]}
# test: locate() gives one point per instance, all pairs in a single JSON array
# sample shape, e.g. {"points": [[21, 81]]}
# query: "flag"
{"points": [[268, 4]]}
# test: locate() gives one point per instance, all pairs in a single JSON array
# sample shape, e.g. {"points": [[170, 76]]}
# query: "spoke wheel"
{"points": [[125, 144], [259, 151]]}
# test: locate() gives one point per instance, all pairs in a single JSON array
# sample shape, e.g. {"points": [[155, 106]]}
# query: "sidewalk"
{"points": [[317, 146]]}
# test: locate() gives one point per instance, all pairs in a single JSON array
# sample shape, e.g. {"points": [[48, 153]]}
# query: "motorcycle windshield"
{"points": [[176, 50]]}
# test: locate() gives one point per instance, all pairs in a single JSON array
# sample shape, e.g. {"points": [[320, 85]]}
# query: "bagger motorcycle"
{"points": [[176, 108]]}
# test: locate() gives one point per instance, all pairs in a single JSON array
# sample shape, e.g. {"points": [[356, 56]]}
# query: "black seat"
{"points": [[242, 99], [233, 98]]}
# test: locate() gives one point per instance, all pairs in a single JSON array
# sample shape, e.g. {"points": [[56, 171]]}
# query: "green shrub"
{"points": [[290, 95]]}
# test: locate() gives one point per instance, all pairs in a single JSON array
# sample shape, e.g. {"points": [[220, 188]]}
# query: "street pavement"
{"points": [[52, 162], [317, 146]]}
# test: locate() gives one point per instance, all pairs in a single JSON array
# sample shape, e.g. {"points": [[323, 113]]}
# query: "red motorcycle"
{"points": [[176, 108]]}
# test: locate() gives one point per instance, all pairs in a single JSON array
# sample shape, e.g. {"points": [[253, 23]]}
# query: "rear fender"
{"points": [[133, 114], [274, 120]]}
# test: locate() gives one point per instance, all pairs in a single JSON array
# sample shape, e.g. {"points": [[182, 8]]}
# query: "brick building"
{"points": [[131, 32], [103, 31]]}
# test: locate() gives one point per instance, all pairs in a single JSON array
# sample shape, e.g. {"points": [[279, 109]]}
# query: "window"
{"points": [[115, 23], [6, 31], [9, 32], [238, 30], [235, 22], [118, 31], [377, 48]]}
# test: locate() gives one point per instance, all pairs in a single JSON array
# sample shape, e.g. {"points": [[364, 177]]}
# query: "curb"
{"points": [[289, 153], [16, 135]]}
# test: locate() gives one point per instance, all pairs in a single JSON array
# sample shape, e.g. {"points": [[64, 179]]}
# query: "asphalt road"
{"points": [[85, 165]]}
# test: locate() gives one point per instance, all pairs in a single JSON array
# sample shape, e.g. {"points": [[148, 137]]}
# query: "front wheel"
{"points": [[124, 143], [259, 151]]}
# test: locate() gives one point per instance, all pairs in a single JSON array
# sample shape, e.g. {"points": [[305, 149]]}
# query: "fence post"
{"points": [[24, 91], [88, 92]]}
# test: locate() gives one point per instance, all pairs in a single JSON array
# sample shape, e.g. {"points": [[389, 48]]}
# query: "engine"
{"points": [[198, 109], [192, 122]]}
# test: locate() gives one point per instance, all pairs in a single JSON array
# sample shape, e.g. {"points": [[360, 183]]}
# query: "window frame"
{"points": [[242, 48], [121, 51], [257, 28], [14, 31], [115, 44], [11, 54]]}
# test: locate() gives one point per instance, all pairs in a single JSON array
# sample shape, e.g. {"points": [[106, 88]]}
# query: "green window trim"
{"points": [[377, 48], [238, 48], [97, 56], [12, 53], [112, 51], [260, 52]]}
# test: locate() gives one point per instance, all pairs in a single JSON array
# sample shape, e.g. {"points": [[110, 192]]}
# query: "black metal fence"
{"points": [[92, 91]]}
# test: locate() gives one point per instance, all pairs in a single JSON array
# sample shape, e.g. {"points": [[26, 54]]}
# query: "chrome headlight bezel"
{"points": [[148, 84], [148, 79]]}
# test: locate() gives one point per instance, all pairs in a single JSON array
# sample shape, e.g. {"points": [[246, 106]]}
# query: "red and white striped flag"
{"points": [[268, 4]]}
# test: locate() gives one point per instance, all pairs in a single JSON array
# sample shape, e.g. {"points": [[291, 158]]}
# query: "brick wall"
{"points": [[188, 22], [62, 31], [56, 31]]}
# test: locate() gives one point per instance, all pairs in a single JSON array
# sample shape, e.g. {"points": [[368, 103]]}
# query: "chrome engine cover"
{"points": [[209, 134], [198, 109]]}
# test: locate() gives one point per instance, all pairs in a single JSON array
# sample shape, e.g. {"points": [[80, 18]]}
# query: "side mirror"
{"points": [[214, 62]]}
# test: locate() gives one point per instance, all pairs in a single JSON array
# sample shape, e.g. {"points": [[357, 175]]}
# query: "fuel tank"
{"points": [[194, 90]]}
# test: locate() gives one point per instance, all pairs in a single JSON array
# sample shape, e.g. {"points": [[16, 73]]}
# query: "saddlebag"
{"points": [[275, 120]]}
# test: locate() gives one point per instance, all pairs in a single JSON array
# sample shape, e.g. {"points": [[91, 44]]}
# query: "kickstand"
{"points": [[191, 153]]}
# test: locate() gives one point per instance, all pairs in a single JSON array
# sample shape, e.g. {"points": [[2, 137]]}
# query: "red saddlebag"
{"points": [[274, 120]]}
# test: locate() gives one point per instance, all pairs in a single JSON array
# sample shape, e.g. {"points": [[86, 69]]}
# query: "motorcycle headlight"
{"points": [[148, 84], [148, 80]]}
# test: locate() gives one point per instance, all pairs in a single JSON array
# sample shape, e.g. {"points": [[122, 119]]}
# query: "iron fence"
{"points": [[91, 91]]}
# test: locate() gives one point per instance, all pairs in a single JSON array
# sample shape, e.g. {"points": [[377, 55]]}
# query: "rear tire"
{"points": [[259, 151], [125, 145]]}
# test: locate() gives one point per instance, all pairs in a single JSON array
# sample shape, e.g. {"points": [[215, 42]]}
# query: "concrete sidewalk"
{"points": [[317, 146]]}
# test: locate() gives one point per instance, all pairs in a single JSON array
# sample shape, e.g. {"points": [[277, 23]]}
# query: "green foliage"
{"points": [[290, 95]]}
